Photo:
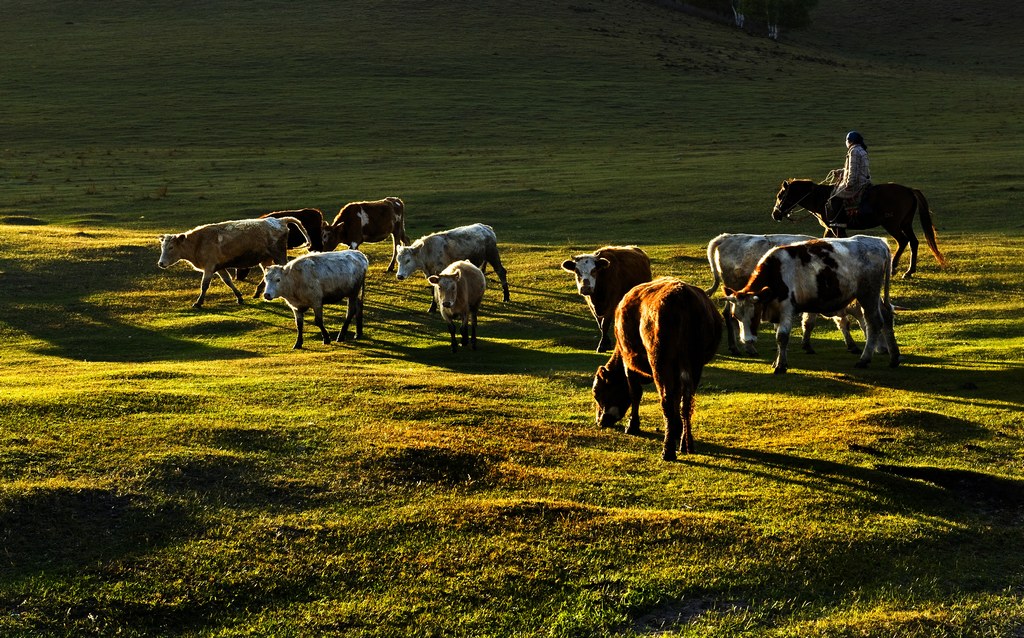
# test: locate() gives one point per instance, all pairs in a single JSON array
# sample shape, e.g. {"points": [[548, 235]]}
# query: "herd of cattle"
{"points": [[664, 330]]}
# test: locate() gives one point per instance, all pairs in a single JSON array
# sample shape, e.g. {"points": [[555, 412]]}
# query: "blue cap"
{"points": [[855, 137]]}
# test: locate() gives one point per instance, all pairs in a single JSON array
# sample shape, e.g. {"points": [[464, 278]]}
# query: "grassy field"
{"points": [[172, 472]]}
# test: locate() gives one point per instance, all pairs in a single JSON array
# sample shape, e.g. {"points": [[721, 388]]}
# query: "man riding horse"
{"points": [[854, 178]]}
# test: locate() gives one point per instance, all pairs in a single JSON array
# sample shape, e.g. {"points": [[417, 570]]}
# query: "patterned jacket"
{"points": [[855, 173]]}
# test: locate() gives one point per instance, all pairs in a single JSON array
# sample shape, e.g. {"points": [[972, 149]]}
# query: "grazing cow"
{"points": [[314, 279], [476, 243], [822, 276], [733, 257], [603, 277], [458, 291], [312, 220], [214, 248], [665, 331], [359, 222]]}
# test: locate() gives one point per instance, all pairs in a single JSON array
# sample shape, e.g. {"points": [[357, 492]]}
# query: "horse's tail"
{"points": [[927, 226]]}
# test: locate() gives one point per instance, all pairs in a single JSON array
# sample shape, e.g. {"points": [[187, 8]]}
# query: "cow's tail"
{"points": [[926, 225], [712, 247], [399, 207], [300, 226]]}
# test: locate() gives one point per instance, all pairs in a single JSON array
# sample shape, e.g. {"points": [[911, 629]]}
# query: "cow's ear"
{"points": [[601, 263], [569, 265], [180, 237], [433, 279], [458, 275]]}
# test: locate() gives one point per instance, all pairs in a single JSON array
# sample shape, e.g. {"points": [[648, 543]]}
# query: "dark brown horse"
{"points": [[892, 205]]}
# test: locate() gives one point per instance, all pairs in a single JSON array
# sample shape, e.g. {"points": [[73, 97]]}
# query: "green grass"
{"points": [[165, 471]]}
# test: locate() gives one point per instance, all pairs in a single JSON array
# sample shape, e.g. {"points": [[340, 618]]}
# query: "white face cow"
{"points": [[747, 308], [408, 261], [447, 286], [272, 281], [586, 267], [169, 250]]}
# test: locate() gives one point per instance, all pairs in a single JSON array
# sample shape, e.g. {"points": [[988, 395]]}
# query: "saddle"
{"points": [[855, 213]]}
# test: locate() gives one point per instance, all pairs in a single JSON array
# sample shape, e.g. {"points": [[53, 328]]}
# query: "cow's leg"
{"points": [[298, 327], [318, 321], [226, 278], [204, 285], [806, 328], [636, 391], [452, 331], [889, 334], [731, 329], [605, 325], [394, 253], [872, 328], [843, 323], [495, 260], [350, 314], [781, 363], [464, 329], [686, 445], [671, 408], [358, 301], [473, 315]]}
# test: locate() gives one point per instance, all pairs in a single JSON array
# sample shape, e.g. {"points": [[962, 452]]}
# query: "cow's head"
{"points": [[272, 282], [611, 394], [747, 308], [446, 287], [332, 235], [408, 261], [170, 250], [586, 269]]}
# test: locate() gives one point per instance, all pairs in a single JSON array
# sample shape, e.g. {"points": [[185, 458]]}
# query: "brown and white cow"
{"points": [[312, 220], [458, 291], [359, 222], [432, 253], [603, 277], [215, 248], [821, 276], [733, 257], [315, 279], [665, 331]]}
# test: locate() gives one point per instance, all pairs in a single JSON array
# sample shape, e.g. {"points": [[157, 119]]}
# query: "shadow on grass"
{"points": [[69, 528], [49, 304]]}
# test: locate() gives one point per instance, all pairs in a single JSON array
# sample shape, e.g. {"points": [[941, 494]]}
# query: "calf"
{"points": [[359, 222], [821, 276], [603, 277], [665, 332], [476, 243], [312, 220], [733, 257], [214, 248], [314, 279], [458, 291]]}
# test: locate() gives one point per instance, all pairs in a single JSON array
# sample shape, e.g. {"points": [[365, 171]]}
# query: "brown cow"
{"points": [[214, 248], [359, 222], [665, 331], [312, 220], [603, 277]]}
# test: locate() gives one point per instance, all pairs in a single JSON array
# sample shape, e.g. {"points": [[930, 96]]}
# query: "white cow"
{"points": [[475, 243], [314, 279]]}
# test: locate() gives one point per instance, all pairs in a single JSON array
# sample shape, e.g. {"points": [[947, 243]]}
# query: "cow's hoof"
{"points": [[894, 363], [633, 430], [854, 350], [752, 351], [809, 350], [297, 346], [780, 370], [861, 364], [733, 350], [668, 455]]}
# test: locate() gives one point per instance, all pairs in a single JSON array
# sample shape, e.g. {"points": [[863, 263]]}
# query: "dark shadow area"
{"points": [[49, 304], [983, 490], [73, 528]]}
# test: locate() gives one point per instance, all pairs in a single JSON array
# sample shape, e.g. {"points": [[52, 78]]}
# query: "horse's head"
{"points": [[788, 198]]}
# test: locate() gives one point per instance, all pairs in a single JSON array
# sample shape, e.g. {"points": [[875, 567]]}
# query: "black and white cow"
{"points": [[733, 257], [821, 276]]}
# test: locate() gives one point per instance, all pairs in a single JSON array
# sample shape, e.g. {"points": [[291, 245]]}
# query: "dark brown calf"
{"points": [[665, 331], [312, 220], [359, 222]]}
